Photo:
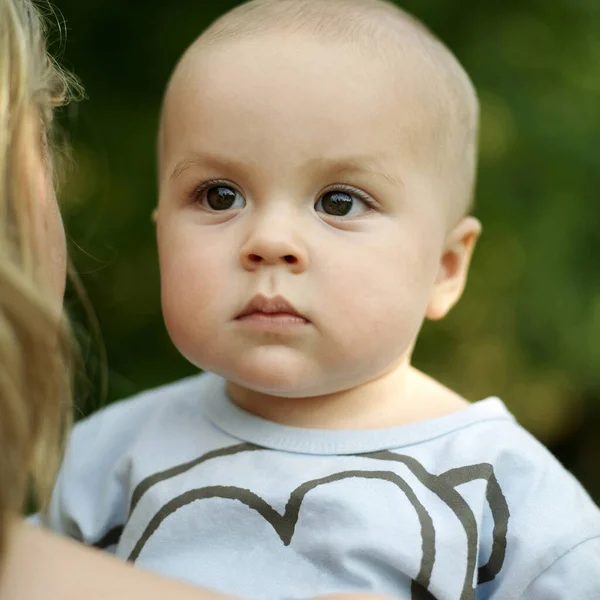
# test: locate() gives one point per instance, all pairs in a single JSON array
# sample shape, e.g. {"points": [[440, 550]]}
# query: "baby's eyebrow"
{"points": [[201, 159], [356, 166], [330, 168]]}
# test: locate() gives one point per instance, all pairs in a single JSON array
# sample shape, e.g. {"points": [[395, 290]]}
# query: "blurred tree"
{"points": [[528, 328]]}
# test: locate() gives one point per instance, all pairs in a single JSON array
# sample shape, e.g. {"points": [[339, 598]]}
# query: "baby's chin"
{"points": [[287, 381], [278, 372]]}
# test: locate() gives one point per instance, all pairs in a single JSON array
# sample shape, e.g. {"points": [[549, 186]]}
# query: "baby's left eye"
{"points": [[340, 203]]}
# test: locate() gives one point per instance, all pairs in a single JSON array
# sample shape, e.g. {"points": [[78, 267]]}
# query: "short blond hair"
{"points": [[378, 29], [36, 348]]}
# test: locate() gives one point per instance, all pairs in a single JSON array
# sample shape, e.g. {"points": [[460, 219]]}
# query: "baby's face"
{"points": [[291, 175]]}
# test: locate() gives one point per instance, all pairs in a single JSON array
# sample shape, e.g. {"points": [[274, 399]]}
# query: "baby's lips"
{"points": [[269, 305]]}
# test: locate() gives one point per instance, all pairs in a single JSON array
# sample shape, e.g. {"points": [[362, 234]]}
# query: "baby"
{"points": [[316, 169]]}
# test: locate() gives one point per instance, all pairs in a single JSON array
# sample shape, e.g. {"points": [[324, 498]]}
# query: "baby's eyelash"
{"points": [[196, 194], [352, 191]]}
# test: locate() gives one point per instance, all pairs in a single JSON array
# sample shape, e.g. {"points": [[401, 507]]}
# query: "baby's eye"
{"points": [[340, 203], [222, 197]]}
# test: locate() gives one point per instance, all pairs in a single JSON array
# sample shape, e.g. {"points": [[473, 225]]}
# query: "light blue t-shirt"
{"points": [[462, 507]]}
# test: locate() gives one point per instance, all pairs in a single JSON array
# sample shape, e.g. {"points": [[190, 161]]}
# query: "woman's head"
{"points": [[35, 375]]}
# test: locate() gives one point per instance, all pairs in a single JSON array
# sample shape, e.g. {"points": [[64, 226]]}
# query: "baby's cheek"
{"points": [[190, 287], [190, 269], [186, 312], [192, 290], [380, 303]]}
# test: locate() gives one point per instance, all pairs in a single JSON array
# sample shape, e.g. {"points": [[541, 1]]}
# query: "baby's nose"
{"points": [[273, 249], [256, 259]]}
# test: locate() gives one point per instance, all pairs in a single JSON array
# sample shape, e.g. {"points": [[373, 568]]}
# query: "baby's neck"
{"points": [[402, 396]]}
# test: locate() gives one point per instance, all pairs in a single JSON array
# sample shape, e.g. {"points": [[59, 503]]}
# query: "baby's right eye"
{"points": [[220, 197]]}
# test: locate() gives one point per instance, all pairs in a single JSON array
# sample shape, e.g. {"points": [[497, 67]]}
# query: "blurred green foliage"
{"points": [[528, 328]]}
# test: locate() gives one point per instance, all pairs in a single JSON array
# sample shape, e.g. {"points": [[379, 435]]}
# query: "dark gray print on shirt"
{"points": [[443, 485]]}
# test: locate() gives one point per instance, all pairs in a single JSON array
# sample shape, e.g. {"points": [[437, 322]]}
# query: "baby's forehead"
{"points": [[297, 70], [404, 75], [293, 78]]}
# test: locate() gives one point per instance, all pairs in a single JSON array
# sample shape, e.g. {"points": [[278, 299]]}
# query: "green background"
{"points": [[528, 327]]}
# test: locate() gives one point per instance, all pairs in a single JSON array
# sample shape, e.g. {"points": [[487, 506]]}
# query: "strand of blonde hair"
{"points": [[36, 346]]}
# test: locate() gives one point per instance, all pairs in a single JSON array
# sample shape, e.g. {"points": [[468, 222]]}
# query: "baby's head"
{"points": [[321, 154]]}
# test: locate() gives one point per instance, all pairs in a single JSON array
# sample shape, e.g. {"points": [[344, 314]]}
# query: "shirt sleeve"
{"points": [[576, 574]]}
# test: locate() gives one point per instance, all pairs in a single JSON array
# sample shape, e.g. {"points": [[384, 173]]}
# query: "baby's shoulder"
{"points": [[532, 512], [551, 523], [484, 442], [491, 435]]}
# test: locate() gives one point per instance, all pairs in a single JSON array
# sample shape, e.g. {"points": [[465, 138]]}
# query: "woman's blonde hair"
{"points": [[36, 348]]}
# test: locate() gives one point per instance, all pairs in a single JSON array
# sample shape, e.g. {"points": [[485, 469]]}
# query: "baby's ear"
{"points": [[454, 267]]}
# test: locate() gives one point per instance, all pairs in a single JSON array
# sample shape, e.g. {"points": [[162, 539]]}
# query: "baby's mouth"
{"points": [[271, 310]]}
